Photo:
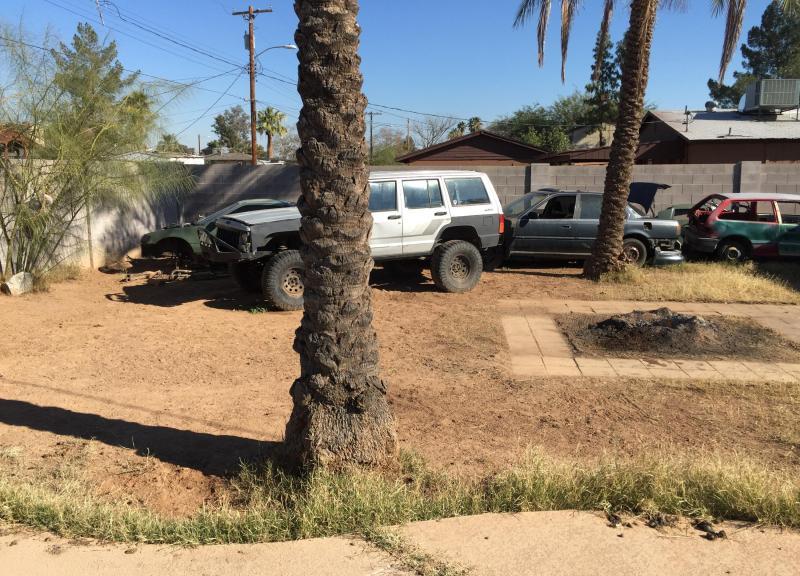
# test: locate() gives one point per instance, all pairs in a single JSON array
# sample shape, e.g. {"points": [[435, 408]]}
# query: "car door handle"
{"points": [[566, 226], [440, 213], [394, 217]]}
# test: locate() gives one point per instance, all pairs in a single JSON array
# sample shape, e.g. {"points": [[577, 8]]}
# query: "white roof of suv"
{"points": [[423, 174]]}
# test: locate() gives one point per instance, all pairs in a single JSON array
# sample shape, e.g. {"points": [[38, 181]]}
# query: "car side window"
{"points": [[591, 205], [422, 194], [790, 212], [466, 191], [559, 208], [382, 196], [761, 211]]}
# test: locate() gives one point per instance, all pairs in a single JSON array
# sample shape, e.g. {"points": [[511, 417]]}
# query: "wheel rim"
{"points": [[293, 283], [733, 254], [632, 253], [459, 268]]}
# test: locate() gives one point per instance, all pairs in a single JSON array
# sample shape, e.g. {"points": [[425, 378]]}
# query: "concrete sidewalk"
{"points": [[540, 543]]}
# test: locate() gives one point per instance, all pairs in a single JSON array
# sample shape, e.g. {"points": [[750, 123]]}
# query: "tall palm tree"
{"points": [[270, 122], [607, 252], [341, 415]]}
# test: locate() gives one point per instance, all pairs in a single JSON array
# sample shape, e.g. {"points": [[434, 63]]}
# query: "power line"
{"points": [[129, 71], [132, 21], [196, 120], [129, 35]]}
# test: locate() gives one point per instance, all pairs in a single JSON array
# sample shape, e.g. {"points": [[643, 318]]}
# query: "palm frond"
{"points": [[733, 28], [527, 9], [608, 11], [568, 9]]}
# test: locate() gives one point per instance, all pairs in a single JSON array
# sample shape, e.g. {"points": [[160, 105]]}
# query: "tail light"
{"points": [[502, 227]]}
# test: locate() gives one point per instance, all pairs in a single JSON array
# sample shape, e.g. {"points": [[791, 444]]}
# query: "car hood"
{"points": [[263, 216]]}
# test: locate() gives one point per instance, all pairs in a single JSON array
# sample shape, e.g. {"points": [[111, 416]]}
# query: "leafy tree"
{"points": [[545, 127], [233, 129], [772, 51], [340, 415], [270, 122], [603, 90], [606, 254], [169, 143], [475, 124], [458, 131], [389, 144], [79, 114]]}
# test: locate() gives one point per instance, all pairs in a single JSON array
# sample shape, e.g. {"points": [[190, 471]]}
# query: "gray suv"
{"points": [[553, 224], [452, 219]]}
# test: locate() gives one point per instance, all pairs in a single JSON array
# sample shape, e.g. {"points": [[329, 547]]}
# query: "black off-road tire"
{"points": [[247, 275], [456, 266], [733, 251], [282, 281], [634, 251]]}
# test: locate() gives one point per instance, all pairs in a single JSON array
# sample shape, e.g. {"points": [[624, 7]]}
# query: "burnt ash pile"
{"points": [[661, 328]]}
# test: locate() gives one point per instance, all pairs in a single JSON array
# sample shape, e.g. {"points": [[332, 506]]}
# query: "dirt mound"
{"points": [[663, 333], [640, 329]]}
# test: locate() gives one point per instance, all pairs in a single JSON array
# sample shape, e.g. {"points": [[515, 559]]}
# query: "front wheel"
{"points": [[282, 281], [733, 252], [634, 252], [456, 266]]}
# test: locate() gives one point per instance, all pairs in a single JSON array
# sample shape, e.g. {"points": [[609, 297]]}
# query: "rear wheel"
{"points": [[634, 251], [282, 281], [733, 251], [456, 266]]}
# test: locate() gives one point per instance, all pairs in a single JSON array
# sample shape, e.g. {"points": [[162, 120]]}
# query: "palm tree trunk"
{"points": [[607, 251], [269, 147], [341, 415]]}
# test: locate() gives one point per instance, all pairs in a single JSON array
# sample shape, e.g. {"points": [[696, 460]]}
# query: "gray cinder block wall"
{"points": [[118, 232]]}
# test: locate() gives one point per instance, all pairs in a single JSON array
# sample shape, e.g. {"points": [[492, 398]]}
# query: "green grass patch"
{"points": [[270, 505]]}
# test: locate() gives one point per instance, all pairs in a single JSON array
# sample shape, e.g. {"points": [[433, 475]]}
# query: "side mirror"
{"points": [[532, 215]]}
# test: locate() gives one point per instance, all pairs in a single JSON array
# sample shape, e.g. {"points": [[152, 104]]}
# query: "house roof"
{"points": [[453, 142], [729, 125], [647, 151]]}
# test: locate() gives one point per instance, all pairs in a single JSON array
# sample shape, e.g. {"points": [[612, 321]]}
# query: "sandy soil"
{"points": [[157, 392]]}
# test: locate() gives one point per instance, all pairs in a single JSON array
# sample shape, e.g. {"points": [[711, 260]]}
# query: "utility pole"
{"points": [[198, 145], [250, 15], [371, 114]]}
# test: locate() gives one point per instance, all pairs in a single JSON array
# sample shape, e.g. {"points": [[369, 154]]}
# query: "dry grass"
{"points": [[706, 282], [60, 273], [269, 505]]}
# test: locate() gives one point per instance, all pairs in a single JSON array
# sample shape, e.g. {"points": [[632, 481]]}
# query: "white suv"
{"points": [[451, 218]]}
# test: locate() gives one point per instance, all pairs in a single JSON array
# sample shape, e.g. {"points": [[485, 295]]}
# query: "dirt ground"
{"points": [[156, 393]]}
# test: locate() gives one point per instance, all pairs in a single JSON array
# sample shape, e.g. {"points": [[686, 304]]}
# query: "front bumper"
{"points": [[667, 257], [219, 251]]}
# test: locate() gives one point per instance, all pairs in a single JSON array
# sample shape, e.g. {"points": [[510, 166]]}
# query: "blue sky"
{"points": [[451, 57]]}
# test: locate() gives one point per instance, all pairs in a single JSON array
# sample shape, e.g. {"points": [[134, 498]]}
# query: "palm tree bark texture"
{"points": [[340, 415], [606, 254]]}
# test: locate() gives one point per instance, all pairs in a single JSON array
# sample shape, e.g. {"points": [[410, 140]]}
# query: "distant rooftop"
{"points": [[730, 125]]}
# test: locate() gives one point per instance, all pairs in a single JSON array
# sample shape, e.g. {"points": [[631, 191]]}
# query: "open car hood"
{"points": [[644, 193]]}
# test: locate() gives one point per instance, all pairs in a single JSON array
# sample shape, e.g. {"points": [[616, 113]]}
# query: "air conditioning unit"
{"points": [[769, 96]]}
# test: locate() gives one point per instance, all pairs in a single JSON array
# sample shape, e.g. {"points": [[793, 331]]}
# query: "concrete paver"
{"points": [[581, 543], [35, 556], [538, 346]]}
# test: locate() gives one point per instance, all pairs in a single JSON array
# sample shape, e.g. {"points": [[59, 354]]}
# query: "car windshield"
{"points": [[521, 205]]}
